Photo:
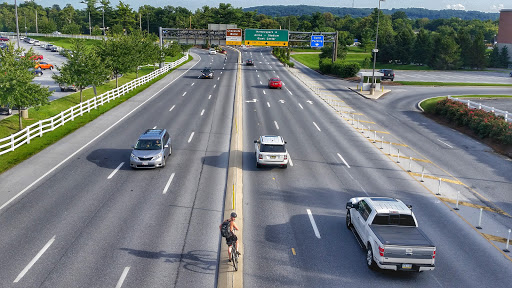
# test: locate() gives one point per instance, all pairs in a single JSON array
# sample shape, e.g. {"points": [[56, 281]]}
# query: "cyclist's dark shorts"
{"points": [[231, 240]]}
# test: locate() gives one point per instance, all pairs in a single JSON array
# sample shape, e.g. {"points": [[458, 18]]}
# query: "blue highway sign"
{"points": [[317, 40]]}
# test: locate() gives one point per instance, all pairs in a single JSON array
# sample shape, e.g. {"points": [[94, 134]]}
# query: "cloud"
{"points": [[456, 7], [497, 7]]}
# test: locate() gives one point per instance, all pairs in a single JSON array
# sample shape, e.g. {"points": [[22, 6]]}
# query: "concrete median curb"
{"points": [[227, 277]]}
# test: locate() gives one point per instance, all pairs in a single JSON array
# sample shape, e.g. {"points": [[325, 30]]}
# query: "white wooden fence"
{"points": [[15, 140], [472, 104]]}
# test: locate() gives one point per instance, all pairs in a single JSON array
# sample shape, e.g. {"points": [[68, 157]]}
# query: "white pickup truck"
{"points": [[388, 229]]}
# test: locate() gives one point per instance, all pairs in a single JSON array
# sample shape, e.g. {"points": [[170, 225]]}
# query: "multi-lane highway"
{"points": [[92, 221], [76, 215], [294, 234]]}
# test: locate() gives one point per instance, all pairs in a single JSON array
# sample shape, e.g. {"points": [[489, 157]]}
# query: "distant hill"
{"points": [[413, 13]]}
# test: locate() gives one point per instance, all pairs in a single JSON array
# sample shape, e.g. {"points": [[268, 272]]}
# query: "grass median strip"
{"points": [[37, 144]]}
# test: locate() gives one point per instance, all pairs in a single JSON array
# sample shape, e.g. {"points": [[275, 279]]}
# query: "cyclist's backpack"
{"points": [[224, 229]]}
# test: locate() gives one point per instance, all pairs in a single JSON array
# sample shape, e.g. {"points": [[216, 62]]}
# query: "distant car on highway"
{"points": [[249, 62], [270, 150], [48, 46], [207, 73], [388, 74], [212, 51], [44, 65], [275, 83], [4, 39], [31, 41]]}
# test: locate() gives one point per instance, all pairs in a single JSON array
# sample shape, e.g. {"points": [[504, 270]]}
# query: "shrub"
{"points": [[338, 68]]}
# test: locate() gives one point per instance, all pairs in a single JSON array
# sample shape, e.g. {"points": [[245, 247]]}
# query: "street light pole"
{"points": [[375, 50], [25, 23], [17, 26], [103, 20], [37, 30]]}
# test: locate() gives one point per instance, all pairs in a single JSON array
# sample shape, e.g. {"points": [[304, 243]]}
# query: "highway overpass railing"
{"points": [[472, 104], [10, 143]]}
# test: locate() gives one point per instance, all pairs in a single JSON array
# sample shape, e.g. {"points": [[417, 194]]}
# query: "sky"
{"points": [[192, 5]]}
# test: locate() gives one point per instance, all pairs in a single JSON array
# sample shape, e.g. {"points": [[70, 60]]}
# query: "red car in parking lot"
{"points": [[35, 57], [4, 39], [275, 83]]}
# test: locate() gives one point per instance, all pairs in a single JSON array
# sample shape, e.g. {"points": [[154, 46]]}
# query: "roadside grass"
{"points": [[310, 60], [451, 84], [37, 144], [305, 50], [428, 105]]}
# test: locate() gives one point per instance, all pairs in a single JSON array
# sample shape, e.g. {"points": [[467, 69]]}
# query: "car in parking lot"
{"points": [[54, 49], [4, 39], [510, 74], [249, 62], [271, 150], [37, 42], [31, 41], [5, 109], [388, 74], [207, 72], [3, 45], [67, 87], [35, 57], [212, 51], [37, 72], [48, 46], [275, 83], [44, 65], [151, 150]]}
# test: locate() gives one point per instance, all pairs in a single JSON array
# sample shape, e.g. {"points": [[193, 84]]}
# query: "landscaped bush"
{"points": [[338, 68], [482, 123]]}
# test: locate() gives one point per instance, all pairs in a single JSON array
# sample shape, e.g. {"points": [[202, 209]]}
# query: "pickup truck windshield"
{"points": [[394, 219]]}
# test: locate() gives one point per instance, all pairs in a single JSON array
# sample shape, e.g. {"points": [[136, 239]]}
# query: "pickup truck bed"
{"points": [[401, 236]]}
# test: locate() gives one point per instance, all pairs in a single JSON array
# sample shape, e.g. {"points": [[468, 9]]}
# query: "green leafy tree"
{"points": [[16, 86], [504, 57], [494, 57], [465, 44], [71, 28], [116, 55], [82, 69], [478, 50], [125, 16], [423, 47], [447, 51], [404, 43]]}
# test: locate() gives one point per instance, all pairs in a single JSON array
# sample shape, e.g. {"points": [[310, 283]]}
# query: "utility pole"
{"points": [[140, 21], [375, 50], [25, 23], [37, 30], [17, 26]]}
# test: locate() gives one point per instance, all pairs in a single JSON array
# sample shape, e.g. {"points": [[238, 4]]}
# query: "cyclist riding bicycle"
{"points": [[231, 238]]}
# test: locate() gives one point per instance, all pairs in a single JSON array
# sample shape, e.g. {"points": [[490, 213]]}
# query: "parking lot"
{"points": [[495, 77]]}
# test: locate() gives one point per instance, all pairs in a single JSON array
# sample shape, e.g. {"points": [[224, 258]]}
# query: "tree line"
{"points": [[440, 43]]}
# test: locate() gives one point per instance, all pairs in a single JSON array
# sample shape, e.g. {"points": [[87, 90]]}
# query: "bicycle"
{"points": [[234, 256]]}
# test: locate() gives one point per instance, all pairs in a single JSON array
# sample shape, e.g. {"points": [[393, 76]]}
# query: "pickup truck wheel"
{"points": [[348, 220], [369, 258]]}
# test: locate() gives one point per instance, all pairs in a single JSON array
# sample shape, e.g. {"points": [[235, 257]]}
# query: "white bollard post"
{"points": [[352, 119], [508, 240], [410, 163], [369, 132], [357, 122], [439, 188], [374, 136], [389, 149], [480, 219], [382, 142], [422, 173], [398, 157], [457, 204]]}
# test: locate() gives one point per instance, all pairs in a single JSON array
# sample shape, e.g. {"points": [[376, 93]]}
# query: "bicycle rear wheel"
{"points": [[235, 260]]}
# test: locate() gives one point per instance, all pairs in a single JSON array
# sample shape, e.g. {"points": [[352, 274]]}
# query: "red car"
{"points": [[275, 83], [35, 57], [4, 39]]}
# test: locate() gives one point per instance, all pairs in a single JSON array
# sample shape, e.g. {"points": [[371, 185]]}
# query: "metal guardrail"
{"points": [[24, 136], [472, 104]]}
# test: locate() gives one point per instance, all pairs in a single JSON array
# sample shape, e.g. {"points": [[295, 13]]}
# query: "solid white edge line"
{"points": [[277, 126], [317, 127], [264, 92], [184, 94], [290, 160], [301, 106], [123, 276], [317, 234], [34, 260], [115, 171], [94, 139], [191, 136], [172, 108], [168, 183], [202, 112], [268, 104], [343, 160], [289, 91]]}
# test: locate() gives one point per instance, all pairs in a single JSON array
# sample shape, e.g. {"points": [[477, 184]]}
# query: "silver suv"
{"points": [[270, 150], [152, 149]]}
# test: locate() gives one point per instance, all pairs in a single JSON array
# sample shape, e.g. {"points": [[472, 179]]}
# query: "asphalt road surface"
{"points": [[92, 221]]}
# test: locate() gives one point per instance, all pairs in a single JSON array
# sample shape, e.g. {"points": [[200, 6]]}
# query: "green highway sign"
{"points": [[266, 35]]}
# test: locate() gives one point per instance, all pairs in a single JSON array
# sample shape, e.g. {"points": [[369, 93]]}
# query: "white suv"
{"points": [[270, 150], [212, 51]]}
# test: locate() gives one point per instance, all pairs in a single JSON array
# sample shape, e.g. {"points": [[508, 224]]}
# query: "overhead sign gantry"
{"points": [[266, 37]]}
